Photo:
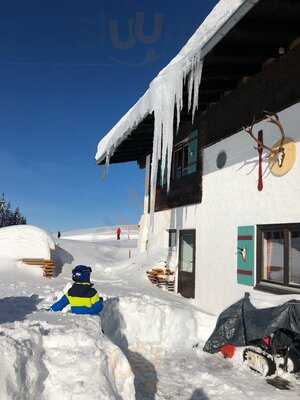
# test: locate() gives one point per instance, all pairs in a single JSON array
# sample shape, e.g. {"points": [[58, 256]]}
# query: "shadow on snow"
{"points": [[16, 308], [199, 394], [60, 257], [145, 376]]}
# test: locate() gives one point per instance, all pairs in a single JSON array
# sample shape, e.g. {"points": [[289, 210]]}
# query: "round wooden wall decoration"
{"points": [[289, 158]]}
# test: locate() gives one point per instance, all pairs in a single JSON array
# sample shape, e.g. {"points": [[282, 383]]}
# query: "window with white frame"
{"points": [[278, 253]]}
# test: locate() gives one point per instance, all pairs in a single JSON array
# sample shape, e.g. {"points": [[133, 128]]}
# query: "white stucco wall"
{"points": [[231, 199]]}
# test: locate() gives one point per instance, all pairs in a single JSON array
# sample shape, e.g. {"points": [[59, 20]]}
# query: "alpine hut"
{"points": [[218, 134]]}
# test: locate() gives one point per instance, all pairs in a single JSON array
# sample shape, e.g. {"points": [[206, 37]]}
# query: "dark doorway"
{"points": [[187, 256]]}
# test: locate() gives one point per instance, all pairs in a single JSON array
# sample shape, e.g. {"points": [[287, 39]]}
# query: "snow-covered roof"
{"points": [[166, 89]]}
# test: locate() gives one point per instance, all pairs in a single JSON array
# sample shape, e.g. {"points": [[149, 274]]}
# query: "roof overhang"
{"points": [[252, 35]]}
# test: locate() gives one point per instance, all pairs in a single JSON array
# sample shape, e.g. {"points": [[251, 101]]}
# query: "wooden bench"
{"points": [[47, 266]]}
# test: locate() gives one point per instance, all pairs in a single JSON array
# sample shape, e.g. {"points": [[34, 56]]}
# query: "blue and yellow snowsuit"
{"points": [[83, 299]]}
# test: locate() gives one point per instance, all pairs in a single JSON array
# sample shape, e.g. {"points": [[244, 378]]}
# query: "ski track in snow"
{"points": [[151, 330]]}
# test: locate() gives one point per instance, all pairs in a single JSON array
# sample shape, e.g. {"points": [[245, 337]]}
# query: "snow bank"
{"points": [[148, 325], [25, 241], [72, 360]]}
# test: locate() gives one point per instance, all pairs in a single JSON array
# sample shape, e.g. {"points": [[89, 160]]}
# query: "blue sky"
{"points": [[68, 73]]}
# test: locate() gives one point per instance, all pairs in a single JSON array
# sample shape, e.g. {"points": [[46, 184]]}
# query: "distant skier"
{"points": [[58, 234], [119, 233], [82, 297]]}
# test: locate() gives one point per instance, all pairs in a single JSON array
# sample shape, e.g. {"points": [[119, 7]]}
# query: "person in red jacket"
{"points": [[119, 233]]}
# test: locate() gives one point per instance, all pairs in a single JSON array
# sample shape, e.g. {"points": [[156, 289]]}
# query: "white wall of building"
{"points": [[231, 199]]}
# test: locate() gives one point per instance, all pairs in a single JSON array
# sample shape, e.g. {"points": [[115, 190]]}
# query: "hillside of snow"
{"points": [[102, 233], [151, 347]]}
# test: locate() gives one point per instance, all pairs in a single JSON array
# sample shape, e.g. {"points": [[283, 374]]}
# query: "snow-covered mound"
{"points": [[25, 241], [69, 360], [151, 325]]}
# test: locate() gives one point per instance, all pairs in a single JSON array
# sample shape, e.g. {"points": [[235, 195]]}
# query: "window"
{"points": [[294, 260], [279, 254], [172, 238], [186, 156]]}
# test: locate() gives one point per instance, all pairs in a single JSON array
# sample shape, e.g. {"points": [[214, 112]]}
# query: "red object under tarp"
{"points": [[267, 341], [228, 350]]}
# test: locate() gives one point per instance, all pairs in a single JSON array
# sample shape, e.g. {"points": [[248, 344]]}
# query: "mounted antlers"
{"points": [[278, 153]]}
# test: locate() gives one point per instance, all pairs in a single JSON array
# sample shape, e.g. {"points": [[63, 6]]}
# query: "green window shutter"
{"points": [[245, 255]]}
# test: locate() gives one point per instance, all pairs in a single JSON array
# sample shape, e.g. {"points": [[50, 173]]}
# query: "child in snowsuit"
{"points": [[82, 297]]}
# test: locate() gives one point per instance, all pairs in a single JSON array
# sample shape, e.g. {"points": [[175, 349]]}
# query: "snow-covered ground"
{"points": [[102, 233], [152, 342]]}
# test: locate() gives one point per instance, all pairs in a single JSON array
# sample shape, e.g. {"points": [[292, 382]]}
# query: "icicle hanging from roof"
{"points": [[187, 60], [166, 91], [167, 96]]}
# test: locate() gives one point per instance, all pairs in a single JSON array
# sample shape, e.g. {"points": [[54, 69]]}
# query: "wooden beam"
{"points": [[232, 59], [258, 36], [228, 70], [240, 50], [219, 78]]}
